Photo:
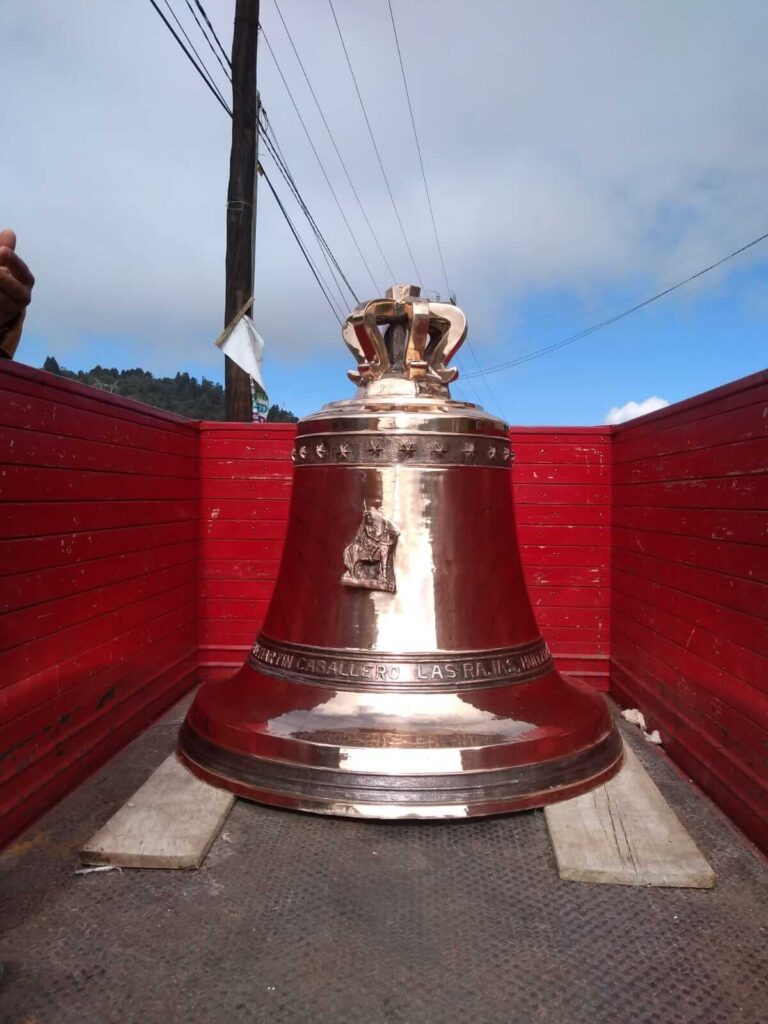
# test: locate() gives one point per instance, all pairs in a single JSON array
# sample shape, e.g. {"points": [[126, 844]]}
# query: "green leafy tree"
{"points": [[182, 394]]}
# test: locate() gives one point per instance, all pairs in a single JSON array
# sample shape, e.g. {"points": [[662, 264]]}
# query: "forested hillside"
{"points": [[182, 394]]}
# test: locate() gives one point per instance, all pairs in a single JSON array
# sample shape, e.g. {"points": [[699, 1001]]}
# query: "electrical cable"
{"points": [[227, 72], [202, 10], [191, 59], [318, 277], [335, 146], [319, 160], [451, 296], [537, 353], [373, 140], [200, 60], [307, 257], [325, 249]]}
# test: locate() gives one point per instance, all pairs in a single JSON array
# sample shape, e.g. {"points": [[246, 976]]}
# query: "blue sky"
{"points": [[580, 157]]}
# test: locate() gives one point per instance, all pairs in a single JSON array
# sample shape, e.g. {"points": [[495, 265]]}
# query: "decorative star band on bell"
{"points": [[421, 337]]}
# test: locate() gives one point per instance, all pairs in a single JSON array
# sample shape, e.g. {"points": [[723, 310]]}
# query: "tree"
{"points": [[182, 394]]}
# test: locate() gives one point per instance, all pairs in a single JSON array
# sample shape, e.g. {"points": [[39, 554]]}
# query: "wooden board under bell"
{"points": [[625, 833], [170, 822]]}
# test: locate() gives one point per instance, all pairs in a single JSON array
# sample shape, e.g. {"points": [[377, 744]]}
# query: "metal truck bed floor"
{"points": [[296, 918]]}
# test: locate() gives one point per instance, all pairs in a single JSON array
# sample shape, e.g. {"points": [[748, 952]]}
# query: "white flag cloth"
{"points": [[245, 346]]}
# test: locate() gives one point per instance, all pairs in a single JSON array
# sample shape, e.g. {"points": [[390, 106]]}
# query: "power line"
{"points": [[619, 316], [319, 160], [194, 50], [307, 257], [335, 146], [202, 70], [227, 73], [470, 346], [373, 140], [191, 59], [271, 142], [224, 53], [418, 149]]}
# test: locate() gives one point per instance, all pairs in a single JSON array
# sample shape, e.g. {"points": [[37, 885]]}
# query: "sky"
{"points": [[581, 155]]}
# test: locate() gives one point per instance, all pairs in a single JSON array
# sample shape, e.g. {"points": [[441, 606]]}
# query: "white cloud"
{"points": [[568, 146], [630, 410]]}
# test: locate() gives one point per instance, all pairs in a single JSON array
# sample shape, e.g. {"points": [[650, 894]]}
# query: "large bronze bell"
{"points": [[400, 672]]}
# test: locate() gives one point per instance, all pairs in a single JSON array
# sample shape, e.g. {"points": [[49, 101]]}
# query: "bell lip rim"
{"points": [[410, 812]]}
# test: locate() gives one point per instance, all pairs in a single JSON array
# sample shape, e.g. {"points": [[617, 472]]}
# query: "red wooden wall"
{"points": [[136, 546], [98, 499], [562, 486], [689, 640]]}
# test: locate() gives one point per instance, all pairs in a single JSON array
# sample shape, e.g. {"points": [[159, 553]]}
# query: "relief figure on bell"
{"points": [[370, 557]]}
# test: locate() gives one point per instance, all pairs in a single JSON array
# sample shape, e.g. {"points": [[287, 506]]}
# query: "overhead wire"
{"points": [[191, 59], [451, 296], [547, 349], [373, 141], [270, 140], [206, 76], [335, 145], [202, 10], [200, 60], [319, 161], [227, 71]]}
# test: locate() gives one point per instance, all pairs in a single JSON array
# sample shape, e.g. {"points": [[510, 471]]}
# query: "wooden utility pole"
{"points": [[241, 196]]}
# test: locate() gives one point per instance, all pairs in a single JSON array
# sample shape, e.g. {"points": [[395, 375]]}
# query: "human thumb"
{"points": [[8, 238]]}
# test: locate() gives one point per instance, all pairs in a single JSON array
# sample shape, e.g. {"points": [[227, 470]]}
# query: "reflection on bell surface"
{"points": [[400, 672]]}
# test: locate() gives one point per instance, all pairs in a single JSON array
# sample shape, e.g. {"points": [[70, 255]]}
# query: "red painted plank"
{"points": [[747, 630], [31, 448], [106, 652], [746, 391], [238, 569], [217, 448], [731, 524], [238, 529], [743, 424], [717, 649], [739, 492], [27, 659], [42, 412], [32, 735], [22, 483], [47, 617], [720, 683], [740, 458], [73, 760], [253, 509], [25, 590], [704, 765], [728, 557], [247, 469], [562, 515], [42, 518], [561, 494], [566, 576], [15, 377], [734, 592], [29, 554], [573, 453], [246, 490]]}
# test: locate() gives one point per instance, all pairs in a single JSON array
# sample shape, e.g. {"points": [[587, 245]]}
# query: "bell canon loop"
{"points": [[400, 672]]}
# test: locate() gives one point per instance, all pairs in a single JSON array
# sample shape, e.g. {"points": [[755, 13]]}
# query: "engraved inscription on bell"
{"points": [[370, 557]]}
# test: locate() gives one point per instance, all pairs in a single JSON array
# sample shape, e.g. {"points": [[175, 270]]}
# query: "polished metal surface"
{"points": [[400, 671]]}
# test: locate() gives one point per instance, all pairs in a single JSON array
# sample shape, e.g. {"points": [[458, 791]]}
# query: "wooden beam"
{"points": [[170, 822], [625, 833]]}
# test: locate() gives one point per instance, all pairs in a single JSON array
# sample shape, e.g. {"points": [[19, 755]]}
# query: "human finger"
{"points": [[15, 264]]}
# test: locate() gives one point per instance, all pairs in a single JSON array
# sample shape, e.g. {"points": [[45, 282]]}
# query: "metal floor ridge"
{"points": [[296, 918]]}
